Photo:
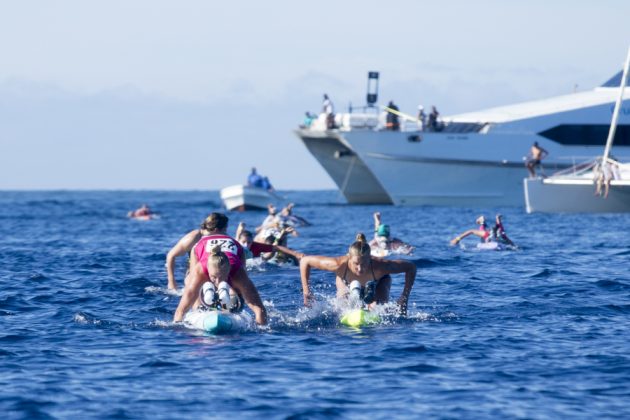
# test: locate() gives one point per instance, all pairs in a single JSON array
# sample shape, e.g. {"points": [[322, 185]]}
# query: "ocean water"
{"points": [[86, 332]]}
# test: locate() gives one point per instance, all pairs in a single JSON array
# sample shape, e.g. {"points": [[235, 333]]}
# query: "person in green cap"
{"points": [[383, 244]]}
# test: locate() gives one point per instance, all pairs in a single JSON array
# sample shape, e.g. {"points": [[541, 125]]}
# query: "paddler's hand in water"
{"points": [[308, 300]]}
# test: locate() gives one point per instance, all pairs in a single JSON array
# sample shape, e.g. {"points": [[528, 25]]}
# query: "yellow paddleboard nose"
{"points": [[359, 318]]}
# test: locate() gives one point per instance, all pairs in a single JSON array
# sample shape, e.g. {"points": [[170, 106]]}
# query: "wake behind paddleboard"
{"points": [[360, 318], [217, 322]]}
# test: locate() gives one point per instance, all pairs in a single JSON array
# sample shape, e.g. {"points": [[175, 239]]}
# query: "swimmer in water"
{"points": [[143, 211], [266, 250], [384, 242], [373, 274], [498, 232], [483, 233], [287, 217]]}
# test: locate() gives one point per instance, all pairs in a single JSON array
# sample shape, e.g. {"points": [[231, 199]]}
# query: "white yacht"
{"points": [[472, 159]]}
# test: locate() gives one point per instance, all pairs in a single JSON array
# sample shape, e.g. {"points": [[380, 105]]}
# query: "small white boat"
{"points": [[243, 197], [600, 186]]}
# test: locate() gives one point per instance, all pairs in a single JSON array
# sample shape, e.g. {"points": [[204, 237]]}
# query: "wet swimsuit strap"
{"points": [[345, 281]]}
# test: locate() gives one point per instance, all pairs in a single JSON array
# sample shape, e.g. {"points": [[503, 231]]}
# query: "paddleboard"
{"points": [[495, 246], [217, 322], [360, 318], [144, 218], [489, 246]]}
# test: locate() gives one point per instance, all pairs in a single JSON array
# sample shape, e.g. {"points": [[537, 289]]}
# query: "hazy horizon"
{"points": [[155, 95]]}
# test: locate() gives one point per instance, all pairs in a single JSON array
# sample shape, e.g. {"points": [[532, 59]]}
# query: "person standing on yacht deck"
{"points": [[392, 122], [536, 155], [422, 118], [433, 120], [329, 109]]}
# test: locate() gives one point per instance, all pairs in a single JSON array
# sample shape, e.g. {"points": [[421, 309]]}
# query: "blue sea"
{"points": [[86, 331]]}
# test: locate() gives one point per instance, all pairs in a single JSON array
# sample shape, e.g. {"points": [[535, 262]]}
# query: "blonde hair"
{"points": [[217, 258], [359, 247]]}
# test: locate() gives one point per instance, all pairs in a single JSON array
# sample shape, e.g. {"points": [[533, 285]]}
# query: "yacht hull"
{"points": [[353, 178], [449, 170], [574, 196]]}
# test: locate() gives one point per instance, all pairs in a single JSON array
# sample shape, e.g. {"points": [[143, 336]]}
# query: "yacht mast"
{"points": [[613, 125]]}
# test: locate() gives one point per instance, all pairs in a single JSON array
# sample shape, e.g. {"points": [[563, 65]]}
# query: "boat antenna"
{"points": [[613, 124], [372, 88]]}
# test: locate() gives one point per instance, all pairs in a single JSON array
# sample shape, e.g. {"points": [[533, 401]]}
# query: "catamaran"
{"points": [[601, 185], [472, 159]]}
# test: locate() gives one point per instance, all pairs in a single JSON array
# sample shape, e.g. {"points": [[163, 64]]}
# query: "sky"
{"points": [[152, 94]]}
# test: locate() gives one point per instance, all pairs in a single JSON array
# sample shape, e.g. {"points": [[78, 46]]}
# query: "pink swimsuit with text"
{"points": [[229, 246]]}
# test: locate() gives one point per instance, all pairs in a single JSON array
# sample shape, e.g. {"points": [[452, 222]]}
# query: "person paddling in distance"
{"points": [[483, 233], [143, 211], [372, 275], [383, 241], [498, 232]]}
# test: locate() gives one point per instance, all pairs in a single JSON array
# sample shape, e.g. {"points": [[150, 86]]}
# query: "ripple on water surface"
{"points": [[86, 325]]}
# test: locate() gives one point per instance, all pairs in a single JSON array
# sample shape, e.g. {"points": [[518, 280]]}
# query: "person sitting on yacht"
{"points": [[308, 120], [607, 171], [483, 233]]}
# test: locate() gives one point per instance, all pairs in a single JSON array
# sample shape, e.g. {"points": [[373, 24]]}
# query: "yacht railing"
{"points": [[370, 119]]}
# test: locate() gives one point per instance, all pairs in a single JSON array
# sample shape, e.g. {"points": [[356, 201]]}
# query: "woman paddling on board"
{"points": [[209, 227], [204, 269], [483, 232], [238, 279], [372, 274]]}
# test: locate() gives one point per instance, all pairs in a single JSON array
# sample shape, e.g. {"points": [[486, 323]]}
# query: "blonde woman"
{"points": [[372, 274]]}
